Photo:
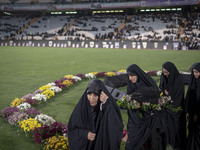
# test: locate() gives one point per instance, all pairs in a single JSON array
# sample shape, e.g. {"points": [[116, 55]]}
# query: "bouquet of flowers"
{"points": [[166, 101], [127, 102], [163, 102]]}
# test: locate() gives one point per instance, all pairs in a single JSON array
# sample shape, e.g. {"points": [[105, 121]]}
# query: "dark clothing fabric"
{"points": [[176, 122], [192, 107], [142, 130], [106, 123]]}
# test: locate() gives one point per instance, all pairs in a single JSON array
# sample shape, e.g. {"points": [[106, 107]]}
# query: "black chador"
{"points": [[103, 119], [193, 110], [176, 122], [142, 131]]}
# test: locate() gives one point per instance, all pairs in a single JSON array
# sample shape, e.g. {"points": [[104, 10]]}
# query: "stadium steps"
{"points": [[26, 26], [122, 25], [66, 29]]}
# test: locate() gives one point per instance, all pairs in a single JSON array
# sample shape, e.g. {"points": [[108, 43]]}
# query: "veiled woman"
{"points": [[142, 131], [192, 109], [96, 122], [171, 84]]}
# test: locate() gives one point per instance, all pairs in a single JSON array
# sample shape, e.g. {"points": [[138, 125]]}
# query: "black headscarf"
{"points": [[143, 79], [193, 93], [176, 127], [108, 122], [144, 88]]}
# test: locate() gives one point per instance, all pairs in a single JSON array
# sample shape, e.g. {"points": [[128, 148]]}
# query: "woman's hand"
{"points": [[166, 92], [124, 139], [91, 136], [103, 97]]}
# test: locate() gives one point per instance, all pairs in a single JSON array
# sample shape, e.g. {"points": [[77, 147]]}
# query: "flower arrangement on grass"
{"points": [[40, 97], [67, 82], [24, 106], [59, 84], [6, 112], [17, 101], [32, 102], [32, 112], [76, 78], [90, 76], [29, 124], [28, 96], [16, 117], [45, 87], [48, 93], [68, 76], [56, 142], [44, 132], [44, 119]]}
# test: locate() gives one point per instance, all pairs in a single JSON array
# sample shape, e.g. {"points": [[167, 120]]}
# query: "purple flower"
{"points": [[80, 75], [57, 82], [28, 96], [37, 91], [6, 112], [152, 73], [17, 116], [45, 131], [32, 112], [32, 102], [100, 74]]}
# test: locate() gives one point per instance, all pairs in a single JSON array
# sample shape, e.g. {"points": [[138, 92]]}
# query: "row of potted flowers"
{"points": [[42, 128]]}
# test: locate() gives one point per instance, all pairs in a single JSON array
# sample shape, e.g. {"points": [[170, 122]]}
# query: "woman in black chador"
{"points": [[193, 109], [171, 84], [142, 132], [96, 122]]}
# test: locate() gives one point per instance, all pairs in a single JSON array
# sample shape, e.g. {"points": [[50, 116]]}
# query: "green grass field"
{"points": [[25, 69]]}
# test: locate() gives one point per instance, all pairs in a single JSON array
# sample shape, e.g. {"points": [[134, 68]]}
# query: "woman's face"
{"points": [[133, 78], [196, 73], [165, 72], [93, 99]]}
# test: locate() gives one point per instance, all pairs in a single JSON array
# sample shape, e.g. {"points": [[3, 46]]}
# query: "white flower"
{"points": [[90, 76], [158, 73], [40, 97], [76, 78], [24, 106], [56, 89], [51, 84], [44, 119]]}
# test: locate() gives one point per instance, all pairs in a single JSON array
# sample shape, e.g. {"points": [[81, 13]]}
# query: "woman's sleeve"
{"points": [[78, 138]]}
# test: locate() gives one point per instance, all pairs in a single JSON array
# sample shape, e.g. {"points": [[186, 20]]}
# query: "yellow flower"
{"points": [[69, 76], [122, 70], [67, 83], [17, 101], [45, 87], [48, 93], [161, 94], [29, 124], [109, 74], [94, 73]]}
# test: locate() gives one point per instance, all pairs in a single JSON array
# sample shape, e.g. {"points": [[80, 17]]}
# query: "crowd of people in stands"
{"points": [[151, 26]]}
